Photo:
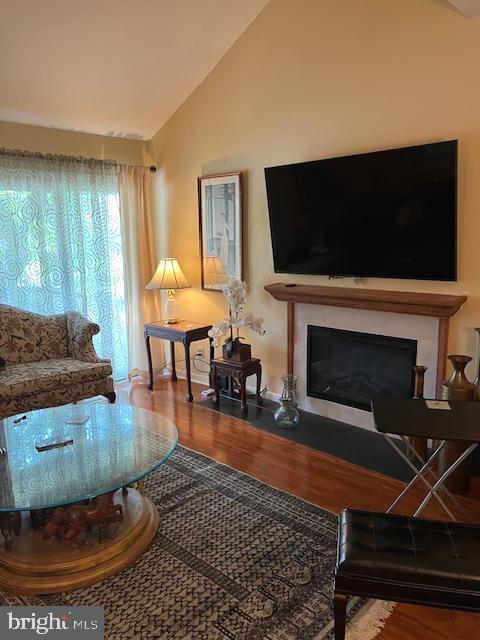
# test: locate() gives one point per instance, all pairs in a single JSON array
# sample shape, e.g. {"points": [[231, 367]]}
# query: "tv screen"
{"points": [[387, 214]]}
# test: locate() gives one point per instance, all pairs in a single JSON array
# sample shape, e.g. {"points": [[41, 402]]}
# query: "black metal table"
{"points": [[440, 420]]}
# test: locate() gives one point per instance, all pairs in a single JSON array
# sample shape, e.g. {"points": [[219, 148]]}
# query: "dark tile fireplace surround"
{"points": [[351, 368]]}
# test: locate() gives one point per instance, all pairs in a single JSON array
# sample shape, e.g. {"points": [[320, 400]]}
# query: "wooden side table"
{"points": [[182, 331], [240, 370]]}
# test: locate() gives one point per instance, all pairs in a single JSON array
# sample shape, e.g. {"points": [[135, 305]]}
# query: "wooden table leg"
{"points": [[243, 395], [212, 356], [150, 367], [340, 615], [216, 397], [259, 385], [189, 395], [172, 360]]}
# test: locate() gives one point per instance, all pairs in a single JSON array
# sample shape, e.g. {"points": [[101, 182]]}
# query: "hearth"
{"points": [[351, 368]]}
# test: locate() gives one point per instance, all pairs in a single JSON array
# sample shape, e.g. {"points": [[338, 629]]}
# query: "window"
{"points": [[60, 244]]}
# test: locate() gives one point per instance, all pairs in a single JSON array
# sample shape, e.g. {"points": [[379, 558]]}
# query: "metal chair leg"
{"points": [[429, 487], [444, 476]]}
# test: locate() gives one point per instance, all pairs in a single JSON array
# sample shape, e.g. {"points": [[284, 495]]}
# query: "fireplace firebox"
{"points": [[351, 368]]}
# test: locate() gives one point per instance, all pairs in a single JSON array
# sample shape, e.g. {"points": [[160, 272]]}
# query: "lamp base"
{"points": [[171, 309]]}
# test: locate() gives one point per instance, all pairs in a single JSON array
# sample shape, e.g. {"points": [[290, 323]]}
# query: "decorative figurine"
{"points": [[56, 525], [74, 522], [10, 525]]}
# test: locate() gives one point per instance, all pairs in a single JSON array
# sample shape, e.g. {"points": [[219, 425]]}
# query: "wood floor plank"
{"points": [[319, 478]]}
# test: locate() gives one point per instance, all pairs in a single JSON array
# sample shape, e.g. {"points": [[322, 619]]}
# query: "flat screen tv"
{"points": [[387, 214]]}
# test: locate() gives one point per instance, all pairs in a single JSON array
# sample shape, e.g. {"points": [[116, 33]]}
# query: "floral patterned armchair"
{"points": [[49, 360]]}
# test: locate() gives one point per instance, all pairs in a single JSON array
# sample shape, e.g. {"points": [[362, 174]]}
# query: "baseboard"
{"points": [[269, 395], [199, 377]]}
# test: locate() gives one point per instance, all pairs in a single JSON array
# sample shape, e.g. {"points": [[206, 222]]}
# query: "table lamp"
{"points": [[169, 277]]}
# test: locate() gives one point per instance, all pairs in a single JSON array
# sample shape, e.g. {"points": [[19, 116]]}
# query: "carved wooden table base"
{"points": [[72, 522], [56, 550]]}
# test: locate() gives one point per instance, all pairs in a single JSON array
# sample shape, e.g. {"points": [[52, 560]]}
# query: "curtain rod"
{"points": [[152, 168], [52, 156]]}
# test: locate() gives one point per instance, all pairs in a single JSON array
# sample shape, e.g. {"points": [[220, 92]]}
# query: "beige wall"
{"points": [[48, 140], [312, 79]]}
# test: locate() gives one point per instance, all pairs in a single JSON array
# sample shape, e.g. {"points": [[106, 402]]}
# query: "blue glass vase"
{"points": [[286, 416]]}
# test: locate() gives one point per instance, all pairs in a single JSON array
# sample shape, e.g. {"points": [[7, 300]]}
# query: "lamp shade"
{"points": [[168, 276]]}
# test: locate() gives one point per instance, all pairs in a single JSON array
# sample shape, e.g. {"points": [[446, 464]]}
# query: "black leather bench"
{"points": [[405, 559]]}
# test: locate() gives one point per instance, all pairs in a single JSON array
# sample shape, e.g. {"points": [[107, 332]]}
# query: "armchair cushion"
{"points": [[55, 397], [80, 332], [31, 378], [30, 337]]}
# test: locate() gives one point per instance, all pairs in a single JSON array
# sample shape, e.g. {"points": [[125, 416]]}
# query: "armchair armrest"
{"points": [[80, 333]]}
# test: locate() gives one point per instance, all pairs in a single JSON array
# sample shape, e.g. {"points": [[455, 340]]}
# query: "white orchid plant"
{"points": [[236, 294]]}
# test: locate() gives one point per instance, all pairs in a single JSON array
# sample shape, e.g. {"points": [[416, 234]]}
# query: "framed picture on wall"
{"points": [[220, 214]]}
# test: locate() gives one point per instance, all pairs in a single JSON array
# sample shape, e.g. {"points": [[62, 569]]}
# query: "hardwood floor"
{"points": [[326, 481]]}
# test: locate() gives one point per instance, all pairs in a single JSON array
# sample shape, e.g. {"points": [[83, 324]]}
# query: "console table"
{"points": [[240, 370], [180, 331]]}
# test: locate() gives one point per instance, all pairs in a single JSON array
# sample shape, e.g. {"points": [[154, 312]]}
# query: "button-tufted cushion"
{"points": [[409, 551]]}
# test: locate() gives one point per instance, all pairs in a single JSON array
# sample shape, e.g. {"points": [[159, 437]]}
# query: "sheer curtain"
{"points": [[140, 263], [61, 246]]}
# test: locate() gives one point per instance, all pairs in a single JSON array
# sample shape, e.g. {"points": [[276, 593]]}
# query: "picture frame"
{"points": [[221, 227]]}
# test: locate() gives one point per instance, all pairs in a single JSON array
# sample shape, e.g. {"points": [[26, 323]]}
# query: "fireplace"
{"points": [[351, 368]]}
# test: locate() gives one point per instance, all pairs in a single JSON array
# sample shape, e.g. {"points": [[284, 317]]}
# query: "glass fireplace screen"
{"points": [[351, 368]]}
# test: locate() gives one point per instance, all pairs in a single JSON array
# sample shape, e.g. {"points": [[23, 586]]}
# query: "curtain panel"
{"points": [[61, 245], [134, 187]]}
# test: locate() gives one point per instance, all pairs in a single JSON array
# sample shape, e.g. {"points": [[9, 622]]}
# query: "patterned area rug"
{"points": [[234, 559]]}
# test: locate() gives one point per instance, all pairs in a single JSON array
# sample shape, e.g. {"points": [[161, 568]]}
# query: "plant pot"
{"points": [[240, 353]]}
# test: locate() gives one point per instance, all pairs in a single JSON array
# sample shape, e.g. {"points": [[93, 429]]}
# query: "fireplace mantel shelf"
{"points": [[438, 305]]}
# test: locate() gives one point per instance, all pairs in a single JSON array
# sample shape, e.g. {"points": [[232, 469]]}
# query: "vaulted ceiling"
{"points": [[115, 67]]}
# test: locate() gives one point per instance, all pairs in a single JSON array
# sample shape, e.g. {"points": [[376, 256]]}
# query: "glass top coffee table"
{"points": [[72, 509]]}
